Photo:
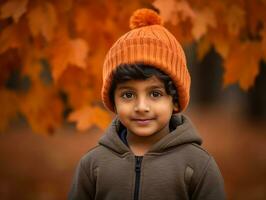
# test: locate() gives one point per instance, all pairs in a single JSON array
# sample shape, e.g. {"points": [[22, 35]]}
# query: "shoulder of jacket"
{"points": [[197, 155], [200, 149], [197, 165], [196, 148], [92, 151], [93, 154]]}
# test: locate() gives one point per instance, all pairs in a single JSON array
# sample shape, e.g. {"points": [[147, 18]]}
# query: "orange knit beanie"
{"points": [[150, 43]]}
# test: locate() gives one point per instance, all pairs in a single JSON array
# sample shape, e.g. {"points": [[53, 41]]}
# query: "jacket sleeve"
{"points": [[83, 186], [210, 184]]}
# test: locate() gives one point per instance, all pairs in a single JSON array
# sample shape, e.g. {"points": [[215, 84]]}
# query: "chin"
{"points": [[143, 133]]}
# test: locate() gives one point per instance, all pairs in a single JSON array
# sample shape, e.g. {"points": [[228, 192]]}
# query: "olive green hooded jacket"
{"points": [[176, 167]]}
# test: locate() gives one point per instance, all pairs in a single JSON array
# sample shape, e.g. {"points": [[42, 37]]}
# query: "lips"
{"points": [[142, 121]]}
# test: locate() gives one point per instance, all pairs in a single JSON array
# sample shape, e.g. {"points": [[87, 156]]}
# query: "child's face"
{"points": [[143, 106]]}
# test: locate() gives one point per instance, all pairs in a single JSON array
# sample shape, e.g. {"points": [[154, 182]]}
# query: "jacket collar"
{"points": [[183, 132]]}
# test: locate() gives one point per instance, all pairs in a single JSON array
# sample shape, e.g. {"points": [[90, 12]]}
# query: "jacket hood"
{"points": [[183, 132]]}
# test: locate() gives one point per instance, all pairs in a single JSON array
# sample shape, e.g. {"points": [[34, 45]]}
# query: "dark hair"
{"points": [[140, 71]]}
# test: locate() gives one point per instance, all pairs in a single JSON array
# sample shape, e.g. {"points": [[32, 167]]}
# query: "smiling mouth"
{"points": [[143, 121]]}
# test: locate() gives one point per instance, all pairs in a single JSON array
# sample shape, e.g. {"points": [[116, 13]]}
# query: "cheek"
{"points": [[123, 112], [166, 106], [121, 107]]}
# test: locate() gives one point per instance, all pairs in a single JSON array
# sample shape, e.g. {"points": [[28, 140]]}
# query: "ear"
{"points": [[115, 110], [176, 107]]}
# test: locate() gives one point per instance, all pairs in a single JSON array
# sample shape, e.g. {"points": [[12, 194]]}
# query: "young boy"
{"points": [[150, 150]]}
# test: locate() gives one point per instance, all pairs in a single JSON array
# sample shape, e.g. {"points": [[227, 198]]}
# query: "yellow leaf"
{"points": [[242, 64], [14, 9], [88, 116], [204, 19], [43, 20], [66, 52]]}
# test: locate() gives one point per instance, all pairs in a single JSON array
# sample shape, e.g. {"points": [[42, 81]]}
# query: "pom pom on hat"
{"points": [[144, 17]]}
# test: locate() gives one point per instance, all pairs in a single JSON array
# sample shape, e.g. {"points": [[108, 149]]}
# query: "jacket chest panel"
{"points": [[115, 180], [160, 175], [163, 178]]}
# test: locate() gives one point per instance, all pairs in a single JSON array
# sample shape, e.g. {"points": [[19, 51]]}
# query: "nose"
{"points": [[142, 105]]}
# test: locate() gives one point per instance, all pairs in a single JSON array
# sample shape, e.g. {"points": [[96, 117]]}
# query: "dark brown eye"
{"points": [[127, 95], [156, 94]]}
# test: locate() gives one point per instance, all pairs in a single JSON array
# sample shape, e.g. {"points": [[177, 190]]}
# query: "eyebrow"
{"points": [[132, 88]]}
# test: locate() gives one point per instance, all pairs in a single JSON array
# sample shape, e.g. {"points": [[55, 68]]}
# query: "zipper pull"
{"points": [[138, 163]]}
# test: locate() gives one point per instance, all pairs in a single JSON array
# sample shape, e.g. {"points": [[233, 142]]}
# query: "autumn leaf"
{"points": [[43, 108], [66, 41], [31, 63], [204, 19], [203, 47], [88, 116], [167, 9], [40, 104], [235, 19], [8, 107], [43, 20], [10, 62], [263, 43], [242, 64], [78, 84], [255, 16], [10, 37], [66, 52], [174, 11], [222, 45], [64, 5], [14, 9]]}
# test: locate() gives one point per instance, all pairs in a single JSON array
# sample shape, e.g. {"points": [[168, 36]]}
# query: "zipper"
{"points": [[137, 180]]}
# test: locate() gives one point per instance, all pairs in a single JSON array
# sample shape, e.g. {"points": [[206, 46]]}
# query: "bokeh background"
{"points": [[51, 56]]}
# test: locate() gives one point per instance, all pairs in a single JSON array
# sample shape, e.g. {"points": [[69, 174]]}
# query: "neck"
{"points": [[141, 144]]}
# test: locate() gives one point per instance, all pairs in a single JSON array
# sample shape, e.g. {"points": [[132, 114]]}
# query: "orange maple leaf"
{"points": [[8, 107], [88, 116], [242, 64], [174, 11], [255, 15], [263, 43], [221, 43], [204, 19], [77, 84], [66, 52], [14, 9], [11, 37], [42, 107], [43, 20], [63, 5], [235, 19], [203, 47]]}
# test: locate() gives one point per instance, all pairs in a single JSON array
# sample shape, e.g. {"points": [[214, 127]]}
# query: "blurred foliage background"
{"points": [[51, 56]]}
